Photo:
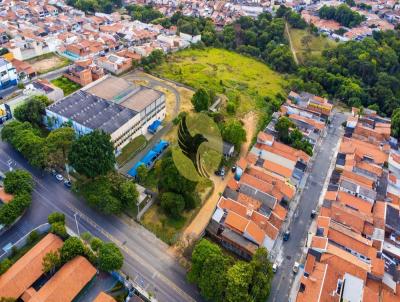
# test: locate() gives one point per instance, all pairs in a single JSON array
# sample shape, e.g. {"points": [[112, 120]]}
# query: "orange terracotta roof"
{"points": [[319, 242], [370, 167], [229, 204], [233, 184], [242, 163], [378, 267], [316, 124], [249, 202], [28, 268], [270, 230], [310, 263], [5, 197], [379, 214], [358, 179], [280, 211], [351, 218], [103, 297], [331, 195], [353, 265], [363, 149], [236, 222], [256, 183], [255, 232], [354, 202], [370, 295], [277, 168], [323, 222], [66, 284], [265, 137], [312, 284], [388, 296]]}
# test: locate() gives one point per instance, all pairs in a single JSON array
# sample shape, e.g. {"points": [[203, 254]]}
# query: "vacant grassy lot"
{"points": [[242, 79], [66, 85], [48, 62], [313, 47]]}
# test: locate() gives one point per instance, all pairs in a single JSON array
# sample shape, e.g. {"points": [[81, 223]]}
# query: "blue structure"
{"points": [[150, 157], [154, 126], [8, 74]]}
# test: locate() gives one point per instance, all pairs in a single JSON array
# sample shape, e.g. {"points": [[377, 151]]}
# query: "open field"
{"points": [[314, 47], [243, 80], [48, 62], [66, 85]]}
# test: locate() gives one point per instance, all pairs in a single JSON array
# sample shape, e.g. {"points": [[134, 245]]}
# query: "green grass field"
{"points": [[315, 45], [242, 79], [66, 85]]}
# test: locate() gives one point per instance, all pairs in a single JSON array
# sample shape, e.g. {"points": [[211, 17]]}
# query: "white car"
{"points": [[296, 267], [275, 267], [59, 177]]}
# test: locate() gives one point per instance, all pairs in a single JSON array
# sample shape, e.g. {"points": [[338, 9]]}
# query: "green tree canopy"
{"points": [[234, 133], [128, 194], [93, 154], [56, 217], [72, 247], [239, 278], [110, 257], [33, 110], [201, 100], [58, 143], [396, 123], [18, 181], [50, 262], [173, 204]]}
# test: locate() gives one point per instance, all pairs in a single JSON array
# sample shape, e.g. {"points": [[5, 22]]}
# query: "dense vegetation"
{"points": [[342, 14], [222, 279], [290, 135], [92, 6], [143, 13], [20, 184]]}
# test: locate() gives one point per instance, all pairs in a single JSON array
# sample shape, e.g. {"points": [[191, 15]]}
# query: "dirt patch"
{"points": [[250, 125], [49, 63], [170, 100]]}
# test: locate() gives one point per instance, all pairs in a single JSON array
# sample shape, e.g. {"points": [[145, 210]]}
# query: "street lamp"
{"points": [[77, 227]]}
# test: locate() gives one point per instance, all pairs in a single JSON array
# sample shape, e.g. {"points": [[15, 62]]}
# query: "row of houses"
{"points": [[354, 250], [254, 205], [25, 280]]}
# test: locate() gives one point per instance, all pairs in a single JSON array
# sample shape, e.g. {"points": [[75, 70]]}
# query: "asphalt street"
{"points": [[292, 249], [146, 260]]}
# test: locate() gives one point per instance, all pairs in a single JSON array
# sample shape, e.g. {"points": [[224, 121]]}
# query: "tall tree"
{"points": [[32, 111], [173, 204], [239, 278], [110, 257], [234, 133], [396, 123], [58, 144], [201, 100], [93, 154], [18, 181], [50, 262], [72, 247]]}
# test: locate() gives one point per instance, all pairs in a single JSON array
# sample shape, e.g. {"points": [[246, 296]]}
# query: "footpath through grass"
{"points": [[66, 85], [306, 44], [242, 79]]}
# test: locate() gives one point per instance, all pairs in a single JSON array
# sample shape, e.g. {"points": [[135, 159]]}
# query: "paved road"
{"points": [[292, 250], [146, 260]]}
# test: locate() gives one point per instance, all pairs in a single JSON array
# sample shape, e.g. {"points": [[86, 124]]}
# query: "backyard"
{"points": [[66, 85], [243, 80], [48, 62], [306, 44]]}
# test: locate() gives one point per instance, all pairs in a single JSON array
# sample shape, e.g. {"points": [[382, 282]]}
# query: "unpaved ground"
{"points": [[43, 65], [250, 125]]}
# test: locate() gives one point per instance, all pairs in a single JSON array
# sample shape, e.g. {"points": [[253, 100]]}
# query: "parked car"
{"points": [[296, 267], [286, 235], [67, 183], [313, 214], [275, 267], [59, 177]]}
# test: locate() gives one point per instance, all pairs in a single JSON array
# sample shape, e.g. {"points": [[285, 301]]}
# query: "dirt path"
{"points": [[290, 43], [250, 125]]}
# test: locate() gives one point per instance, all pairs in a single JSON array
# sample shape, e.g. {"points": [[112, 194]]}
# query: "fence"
{"points": [[23, 240]]}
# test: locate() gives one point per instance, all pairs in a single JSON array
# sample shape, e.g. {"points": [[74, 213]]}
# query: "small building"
{"points": [[228, 149], [84, 72], [44, 87], [8, 74], [114, 63]]}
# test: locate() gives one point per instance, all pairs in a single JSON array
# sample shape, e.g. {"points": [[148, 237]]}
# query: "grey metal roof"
{"points": [[3, 62], [264, 198], [393, 218], [348, 185], [367, 193], [92, 111]]}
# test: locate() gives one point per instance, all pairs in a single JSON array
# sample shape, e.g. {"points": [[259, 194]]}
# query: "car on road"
{"points": [[286, 235], [313, 214], [59, 177], [296, 267], [275, 267], [67, 183]]}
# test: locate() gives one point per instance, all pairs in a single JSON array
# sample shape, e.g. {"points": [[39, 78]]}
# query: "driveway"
{"points": [[292, 250]]}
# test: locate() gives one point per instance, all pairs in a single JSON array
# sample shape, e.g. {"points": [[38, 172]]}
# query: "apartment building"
{"points": [[84, 72], [8, 74]]}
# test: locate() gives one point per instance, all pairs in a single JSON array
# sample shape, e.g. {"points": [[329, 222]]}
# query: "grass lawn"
{"points": [[131, 149], [66, 85], [242, 79], [315, 46], [48, 62]]}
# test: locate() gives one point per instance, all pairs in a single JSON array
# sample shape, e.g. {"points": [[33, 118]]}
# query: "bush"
{"points": [[33, 237], [72, 247], [12, 210], [231, 107], [110, 257], [95, 243], [5, 265], [173, 204], [59, 229], [56, 217]]}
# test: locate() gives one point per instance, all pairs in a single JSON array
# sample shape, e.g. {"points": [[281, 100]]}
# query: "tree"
{"points": [[141, 173], [201, 100], [173, 204], [33, 110], [239, 278], [262, 276], [50, 262], [306, 40], [93, 154], [95, 244], [282, 126], [396, 123], [72, 247], [128, 194], [56, 217], [110, 257], [18, 181], [234, 133], [59, 229], [33, 237], [58, 144]]}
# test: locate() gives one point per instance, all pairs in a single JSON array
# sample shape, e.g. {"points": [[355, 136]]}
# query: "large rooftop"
{"points": [[92, 111]]}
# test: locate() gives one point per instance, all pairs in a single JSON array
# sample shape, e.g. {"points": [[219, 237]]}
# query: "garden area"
{"points": [[48, 62], [66, 85]]}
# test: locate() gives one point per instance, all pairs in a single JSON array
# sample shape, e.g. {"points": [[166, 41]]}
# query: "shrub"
{"points": [[59, 229], [56, 217], [18, 181], [33, 237], [5, 265], [95, 243], [72, 247]]}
